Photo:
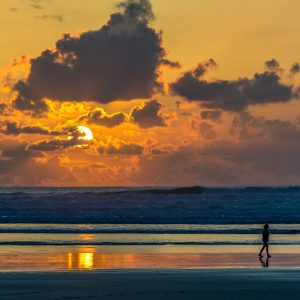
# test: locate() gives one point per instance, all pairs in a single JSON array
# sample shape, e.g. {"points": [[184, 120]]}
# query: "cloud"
{"points": [[268, 150], [16, 160], [118, 147], [260, 161], [211, 115], [207, 131], [148, 115], [100, 117], [247, 127], [14, 9], [186, 161], [204, 129], [273, 65], [260, 151], [270, 158], [295, 68], [22, 60], [12, 149], [203, 68], [38, 4], [74, 139], [232, 95], [171, 64], [54, 145], [119, 61], [158, 151], [28, 99], [35, 4], [58, 18], [3, 106], [13, 128]]}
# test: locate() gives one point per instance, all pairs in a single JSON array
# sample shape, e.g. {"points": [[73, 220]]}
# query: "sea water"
{"points": [[70, 222]]}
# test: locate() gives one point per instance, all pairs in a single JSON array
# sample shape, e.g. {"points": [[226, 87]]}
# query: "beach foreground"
{"points": [[152, 284]]}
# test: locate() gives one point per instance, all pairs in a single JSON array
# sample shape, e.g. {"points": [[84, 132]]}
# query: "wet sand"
{"points": [[152, 284], [88, 259], [86, 273]]}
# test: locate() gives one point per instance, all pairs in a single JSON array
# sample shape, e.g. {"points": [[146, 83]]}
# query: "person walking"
{"points": [[265, 239]]}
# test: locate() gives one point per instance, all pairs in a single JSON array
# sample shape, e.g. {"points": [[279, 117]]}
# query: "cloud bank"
{"points": [[13, 128], [233, 95], [119, 61]]}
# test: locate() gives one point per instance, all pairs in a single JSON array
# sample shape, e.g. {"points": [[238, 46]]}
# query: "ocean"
{"points": [[76, 225], [194, 205]]}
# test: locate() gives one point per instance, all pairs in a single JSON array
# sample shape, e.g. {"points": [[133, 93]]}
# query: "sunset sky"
{"points": [[195, 92]]}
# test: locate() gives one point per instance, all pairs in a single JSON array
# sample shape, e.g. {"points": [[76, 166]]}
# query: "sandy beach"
{"points": [[151, 284]]}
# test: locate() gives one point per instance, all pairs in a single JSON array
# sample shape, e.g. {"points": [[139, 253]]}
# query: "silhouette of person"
{"points": [[265, 239]]}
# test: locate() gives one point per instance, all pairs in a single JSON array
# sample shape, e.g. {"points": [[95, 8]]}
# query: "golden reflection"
{"points": [[86, 261], [114, 261], [70, 260]]}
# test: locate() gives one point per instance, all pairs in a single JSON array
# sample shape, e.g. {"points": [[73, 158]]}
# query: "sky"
{"points": [[149, 93]]}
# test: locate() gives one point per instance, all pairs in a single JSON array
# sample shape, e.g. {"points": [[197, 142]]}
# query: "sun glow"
{"points": [[87, 134], [86, 261]]}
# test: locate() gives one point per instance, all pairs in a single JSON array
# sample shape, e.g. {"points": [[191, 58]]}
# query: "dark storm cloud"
{"points": [[100, 117], [232, 95], [13, 128], [119, 61], [120, 148], [27, 99], [212, 115], [148, 115]]}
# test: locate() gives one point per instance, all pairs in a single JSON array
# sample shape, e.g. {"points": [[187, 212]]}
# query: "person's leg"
{"points": [[262, 249], [267, 249]]}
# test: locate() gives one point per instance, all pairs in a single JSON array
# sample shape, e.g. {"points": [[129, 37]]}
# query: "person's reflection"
{"points": [[264, 263]]}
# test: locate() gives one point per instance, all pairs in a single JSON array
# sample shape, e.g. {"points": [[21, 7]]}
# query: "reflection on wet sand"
{"points": [[264, 262], [87, 259]]}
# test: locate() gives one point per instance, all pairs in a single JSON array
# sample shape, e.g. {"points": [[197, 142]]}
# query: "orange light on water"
{"points": [[86, 261], [70, 260]]}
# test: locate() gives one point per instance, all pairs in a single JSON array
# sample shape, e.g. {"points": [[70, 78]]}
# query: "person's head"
{"points": [[266, 226]]}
